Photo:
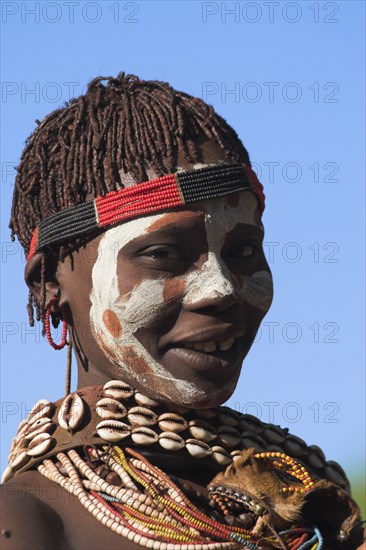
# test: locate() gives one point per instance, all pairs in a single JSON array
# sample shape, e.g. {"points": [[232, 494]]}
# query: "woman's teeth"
{"points": [[208, 347]]}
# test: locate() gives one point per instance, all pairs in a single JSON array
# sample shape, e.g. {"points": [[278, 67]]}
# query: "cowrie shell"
{"points": [[294, 445], [71, 412], [171, 441], [207, 413], [270, 448], [142, 416], [197, 448], [117, 389], [40, 444], [227, 440], [112, 430], [18, 440], [42, 425], [20, 460], [110, 408], [228, 436], [7, 474], [22, 429], [145, 401], [317, 450], [22, 423], [171, 422], [250, 423], [40, 409], [252, 440], [39, 422], [202, 430], [332, 474], [273, 434], [314, 461], [144, 436], [236, 454], [228, 417], [178, 409], [11, 455], [221, 456]]}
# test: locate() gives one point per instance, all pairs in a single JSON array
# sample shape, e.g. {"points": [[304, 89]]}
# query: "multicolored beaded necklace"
{"points": [[77, 444], [149, 509]]}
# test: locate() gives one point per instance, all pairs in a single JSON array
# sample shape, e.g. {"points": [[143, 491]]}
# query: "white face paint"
{"points": [[135, 310], [145, 303], [214, 279]]}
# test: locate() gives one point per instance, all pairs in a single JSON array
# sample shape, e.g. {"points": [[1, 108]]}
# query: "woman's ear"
{"points": [[33, 278]]}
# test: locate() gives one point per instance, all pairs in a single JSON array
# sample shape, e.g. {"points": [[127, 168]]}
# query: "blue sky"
{"points": [[289, 77]]}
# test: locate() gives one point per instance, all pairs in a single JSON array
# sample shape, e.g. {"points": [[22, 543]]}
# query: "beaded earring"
{"points": [[47, 325], [55, 322]]}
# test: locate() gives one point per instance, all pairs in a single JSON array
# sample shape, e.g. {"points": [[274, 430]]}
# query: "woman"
{"points": [[141, 220]]}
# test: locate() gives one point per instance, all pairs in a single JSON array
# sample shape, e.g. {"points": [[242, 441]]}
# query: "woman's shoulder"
{"points": [[27, 521], [38, 514]]}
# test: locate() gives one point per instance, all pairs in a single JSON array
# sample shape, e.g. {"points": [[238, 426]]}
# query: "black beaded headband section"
{"points": [[166, 192]]}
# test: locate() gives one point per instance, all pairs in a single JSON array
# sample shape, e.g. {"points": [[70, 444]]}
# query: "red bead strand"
{"points": [[47, 325]]}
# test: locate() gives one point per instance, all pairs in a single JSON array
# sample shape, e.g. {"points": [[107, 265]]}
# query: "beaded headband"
{"points": [[170, 191]]}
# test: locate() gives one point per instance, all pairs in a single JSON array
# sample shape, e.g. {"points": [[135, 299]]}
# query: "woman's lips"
{"points": [[211, 345], [205, 356], [205, 337]]}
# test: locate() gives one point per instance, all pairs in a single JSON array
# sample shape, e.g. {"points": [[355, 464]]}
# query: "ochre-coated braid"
{"points": [[121, 126], [109, 122]]}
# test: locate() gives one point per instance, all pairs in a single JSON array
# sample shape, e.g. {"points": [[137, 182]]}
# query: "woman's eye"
{"points": [[244, 251], [162, 253]]}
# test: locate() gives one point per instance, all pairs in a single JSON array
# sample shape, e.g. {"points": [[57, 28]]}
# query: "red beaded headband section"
{"points": [[164, 193]]}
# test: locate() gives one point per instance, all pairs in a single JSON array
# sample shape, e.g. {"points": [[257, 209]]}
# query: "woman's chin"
{"points": [[199, 396], [183, 378]]}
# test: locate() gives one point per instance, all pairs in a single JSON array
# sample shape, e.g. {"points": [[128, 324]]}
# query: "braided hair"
{"points": [[121, 124]]}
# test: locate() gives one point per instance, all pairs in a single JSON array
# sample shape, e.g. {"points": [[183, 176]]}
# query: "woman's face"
{"points": [[171, 303], [176, 299]]}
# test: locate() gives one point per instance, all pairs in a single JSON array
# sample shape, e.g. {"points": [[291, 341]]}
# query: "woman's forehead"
{"points": [[228, 210], [225, 212], [216, 217], [239, 207]]}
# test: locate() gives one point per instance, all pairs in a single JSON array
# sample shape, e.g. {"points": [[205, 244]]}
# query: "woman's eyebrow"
{"points": [[168, 230], [178, 220], [175, 228]]}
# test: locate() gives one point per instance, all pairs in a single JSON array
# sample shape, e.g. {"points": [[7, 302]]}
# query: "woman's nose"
{"points": [[211, 285]]}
